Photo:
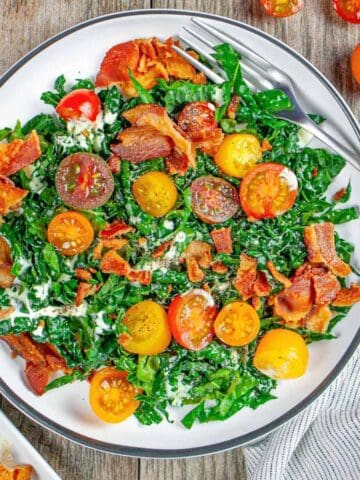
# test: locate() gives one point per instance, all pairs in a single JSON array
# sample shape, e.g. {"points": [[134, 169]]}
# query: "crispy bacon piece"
{"points": [[197, 257], [98, 250], [177, 163], [115, 243], [318, 319], [233, 106], [83, 274], [114, 163], [161, 249], [347, 296], [115, 229], [326, 286], [256, 303], [279, 277], [6, 312], [17, 154], [175, 65], [142, 242], [295, 302], [262, 287], [138, 144], [246, 276], [20, 472], [211, 144], [85, 290], [266, 145], [10, 196], [41, 360], [222, 240], [140, 276], [112, 262], [320, 243], [219, 267], [157, 117], [311, 286], [6, 278], [339, 194], [148, 59]]}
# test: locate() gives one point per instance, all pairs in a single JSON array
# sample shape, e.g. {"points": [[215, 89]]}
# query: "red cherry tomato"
{"points": [[191, 317], [268, 190], [355, 63], [282, 8], [82, 103], [84, 180], [349, 10]]}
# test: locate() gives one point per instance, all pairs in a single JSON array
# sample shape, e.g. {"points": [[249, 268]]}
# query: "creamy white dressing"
{"points": [[101, 326], [169, 225], [42, 290], [109, 117], [36, 183], [290, 178], [70, 262], [24, 264], [176, 394], [39, 330], [19, 300], [305, 137]]}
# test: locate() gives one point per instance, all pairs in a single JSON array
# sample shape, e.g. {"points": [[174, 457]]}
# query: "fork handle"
{"points": [[336, 146]]}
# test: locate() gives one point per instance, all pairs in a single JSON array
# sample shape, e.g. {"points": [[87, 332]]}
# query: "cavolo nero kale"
{"points": [[218, 380]]}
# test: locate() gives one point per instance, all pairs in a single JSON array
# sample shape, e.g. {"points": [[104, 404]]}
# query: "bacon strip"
{"points": [[279, 277], [115, 229], [161, 249], [233, 106], [41, 360], [85, 290], [320, 243], [326, 286], [318, 319], [347, 296], [177, 163], [10, 196], [138, 144], [113, 263], [114, 163], [155, 116], [17, 154], [219, 267], [148, 59], [246, 276], [211, 144], [115, 243], [222, 240], [83, 274], [197, 257], [6, 278], [262, 287]]}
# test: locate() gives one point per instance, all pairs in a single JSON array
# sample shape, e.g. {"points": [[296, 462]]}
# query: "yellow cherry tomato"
{"points": [[155, 192], [70, 232], [237, 324], [238, 153], [148, 329], [282, 354], [111, 396]]}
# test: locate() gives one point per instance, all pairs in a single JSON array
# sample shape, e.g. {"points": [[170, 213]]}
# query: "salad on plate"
{"points": [[168, 240]]}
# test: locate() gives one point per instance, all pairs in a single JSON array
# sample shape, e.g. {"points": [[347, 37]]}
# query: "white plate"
{"points": [[21, 452], [77, 53]]}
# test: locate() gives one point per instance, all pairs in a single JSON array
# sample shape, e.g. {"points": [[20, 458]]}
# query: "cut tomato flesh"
{"points": [[268, 190], [82, 103], [348, 10]]}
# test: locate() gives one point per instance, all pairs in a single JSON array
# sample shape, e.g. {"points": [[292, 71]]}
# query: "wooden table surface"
{"points": [[317, 34]]}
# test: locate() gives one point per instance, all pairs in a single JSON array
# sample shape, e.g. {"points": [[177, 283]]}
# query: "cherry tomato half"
{"points": [[82, 103], [70, 232], [282, 8], [238, 153], [111, 396], [355, 63], [349, 10], [84, 181], [213, 199], [191, 318], [148, 329], [197, 120], [155, 192], [237, 324], [268, 190], [282, 354]]}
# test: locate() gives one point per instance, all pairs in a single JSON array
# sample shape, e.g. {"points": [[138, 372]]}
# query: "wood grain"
{"points": [[317, 34]]}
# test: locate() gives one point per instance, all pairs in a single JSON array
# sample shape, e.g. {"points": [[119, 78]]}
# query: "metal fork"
{"points": [[258, 72]]}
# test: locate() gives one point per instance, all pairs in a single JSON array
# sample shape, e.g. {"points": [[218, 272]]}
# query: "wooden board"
{"points": [[316, 33]]}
